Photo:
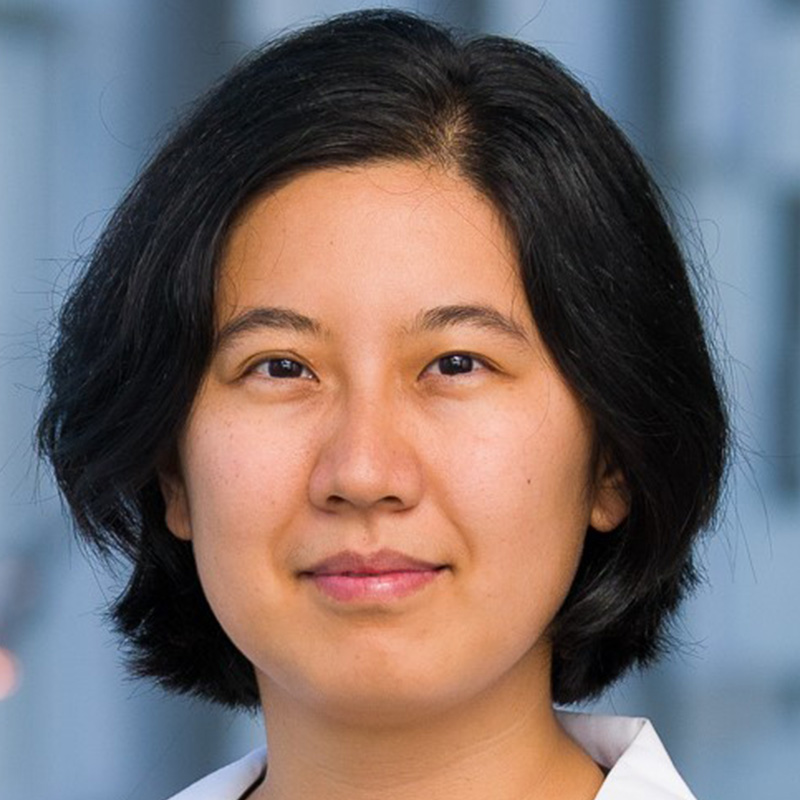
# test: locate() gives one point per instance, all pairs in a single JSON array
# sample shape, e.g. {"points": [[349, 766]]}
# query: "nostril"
{"points": [[337, 500]]}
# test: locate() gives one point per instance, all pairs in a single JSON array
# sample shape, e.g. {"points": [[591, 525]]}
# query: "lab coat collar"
{"points": [[639, 766]]}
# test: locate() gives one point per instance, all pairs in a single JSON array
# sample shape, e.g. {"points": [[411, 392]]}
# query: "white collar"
{"points": [[228, 783], [629, 747]]}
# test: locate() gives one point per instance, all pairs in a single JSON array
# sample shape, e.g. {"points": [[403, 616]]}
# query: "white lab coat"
{"points": [[639, 767]]}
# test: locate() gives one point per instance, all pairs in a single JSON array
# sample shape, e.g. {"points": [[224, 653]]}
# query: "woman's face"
{"points": [[386, 481]]}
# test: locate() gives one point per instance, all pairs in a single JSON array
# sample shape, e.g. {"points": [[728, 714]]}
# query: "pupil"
{"points": [[284, 368], [455, 365]]}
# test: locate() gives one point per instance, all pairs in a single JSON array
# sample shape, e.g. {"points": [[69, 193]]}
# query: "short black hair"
{"points": [[607, 284]]}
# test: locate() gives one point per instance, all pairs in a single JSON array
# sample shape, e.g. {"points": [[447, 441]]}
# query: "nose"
{"points": [[367, 460]]}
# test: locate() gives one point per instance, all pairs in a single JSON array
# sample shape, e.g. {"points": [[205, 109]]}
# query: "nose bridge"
{"points": [[366, 454]]}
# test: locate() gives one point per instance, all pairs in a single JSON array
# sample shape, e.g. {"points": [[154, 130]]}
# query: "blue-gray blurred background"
{"points": [[709, 90]]}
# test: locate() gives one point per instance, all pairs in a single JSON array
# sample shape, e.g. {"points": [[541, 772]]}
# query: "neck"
{"points": [[505, 745]]}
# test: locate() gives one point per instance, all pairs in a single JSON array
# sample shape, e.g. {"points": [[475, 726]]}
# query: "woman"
{"points": [[388, 378]]}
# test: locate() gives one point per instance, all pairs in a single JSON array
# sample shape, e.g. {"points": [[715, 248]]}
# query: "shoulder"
{"points": [[228, 783], [639, 766]]}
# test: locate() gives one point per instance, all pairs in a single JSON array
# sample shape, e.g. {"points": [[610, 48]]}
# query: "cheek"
{"points": [[517, 489], [238, 458], [246, 490], [245, 484], [517, 464]]}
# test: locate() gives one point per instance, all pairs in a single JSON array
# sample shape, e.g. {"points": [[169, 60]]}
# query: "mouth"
{"points": [[386, 575]]}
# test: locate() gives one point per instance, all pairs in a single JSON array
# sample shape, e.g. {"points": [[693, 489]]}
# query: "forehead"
{"points": [[387, 236]]}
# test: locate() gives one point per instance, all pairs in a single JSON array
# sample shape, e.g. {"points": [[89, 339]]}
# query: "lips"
{"points": [[379, 577]]}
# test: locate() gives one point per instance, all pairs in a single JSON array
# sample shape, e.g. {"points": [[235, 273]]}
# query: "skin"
{"points": [[369, 436]]}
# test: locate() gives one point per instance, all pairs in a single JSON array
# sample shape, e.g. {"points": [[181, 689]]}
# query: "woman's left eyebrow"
{"points": [[476, 316]]}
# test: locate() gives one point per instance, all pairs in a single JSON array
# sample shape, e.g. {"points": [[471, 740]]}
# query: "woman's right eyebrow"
{"points": [[266, 317]]}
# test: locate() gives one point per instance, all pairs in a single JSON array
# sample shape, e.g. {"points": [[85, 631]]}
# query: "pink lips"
{"points": [[386, 575]]}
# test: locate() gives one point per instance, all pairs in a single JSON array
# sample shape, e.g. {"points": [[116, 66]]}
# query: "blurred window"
{"points": [[787, 393]]}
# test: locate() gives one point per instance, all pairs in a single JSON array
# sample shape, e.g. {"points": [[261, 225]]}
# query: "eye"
{"points": [[456, 364], [282, 368]]}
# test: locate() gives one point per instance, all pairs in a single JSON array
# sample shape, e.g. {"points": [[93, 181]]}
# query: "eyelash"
{"points": [[290, 364], [286, 362], [471, 360]]}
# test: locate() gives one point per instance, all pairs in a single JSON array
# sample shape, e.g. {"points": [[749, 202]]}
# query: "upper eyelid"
{"points": [[259, 361], [480, 360]]}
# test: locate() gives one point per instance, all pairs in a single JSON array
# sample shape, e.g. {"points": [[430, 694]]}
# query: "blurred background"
{"points": [[709, 90]]}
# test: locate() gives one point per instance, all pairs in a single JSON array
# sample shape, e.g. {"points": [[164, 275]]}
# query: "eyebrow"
{"points": [[476, 316], [266, 317], [433, 319]]}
